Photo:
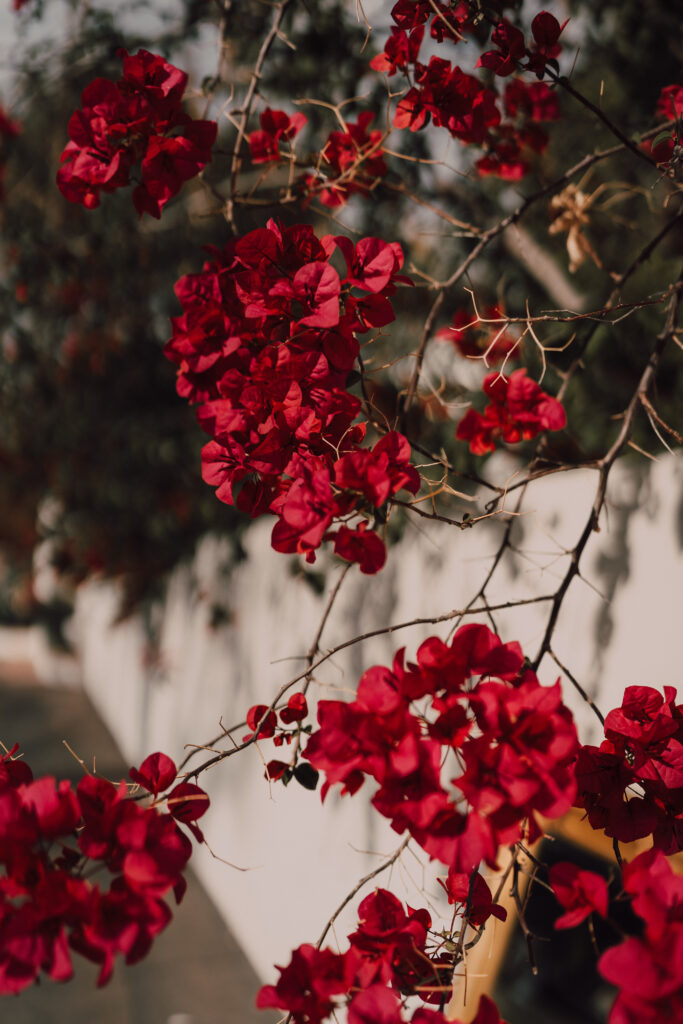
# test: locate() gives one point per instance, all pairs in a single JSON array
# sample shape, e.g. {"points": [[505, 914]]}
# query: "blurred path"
{"points": [[195, 973]]}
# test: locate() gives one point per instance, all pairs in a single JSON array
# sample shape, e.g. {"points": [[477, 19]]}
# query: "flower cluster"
{"points": [[265, 345], [648, 970], [512, 51], [470, 111], [518, 411], [389, 954], [276, 126], [670, 102], [49, 835], [632, 784], [512, 738], [136, 121], [351, 161], [475, 338]]}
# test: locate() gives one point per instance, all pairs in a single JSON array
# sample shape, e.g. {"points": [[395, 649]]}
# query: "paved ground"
{"points": [[195, 973]]}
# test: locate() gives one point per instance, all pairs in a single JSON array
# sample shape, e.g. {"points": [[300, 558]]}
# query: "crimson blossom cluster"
{"points": [[391, 952], [648, 969], [513, 744], [518, 411], [632, 784], [480, 337], [265, 345], [52, 838], [395, 952], [459, 102], [137, 120], [516, 755], [350, 161]]}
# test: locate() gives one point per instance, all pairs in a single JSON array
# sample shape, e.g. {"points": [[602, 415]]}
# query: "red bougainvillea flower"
{"points": [[511, 49], [546, 31], [451, 21], [275, 770], [169, 162], [379, 473], [515, 738], [307, 509], [376, 1005], [372, 263], [187, 802], [648, 970], [481, 905], [260, 715], [275, 125], [380, 1005], [670, 102], [518, 411], [267, 340], [122, 923], [135, 121], [487, 1012], [154, 849], [535, 100], [361, 545], [155, 774], [389, 943], [632, 784], [351, 162], [474, 338], [400, 50], [307, 986], [388, 958], [452, 99], [52, 840], [52, 806], [296, 710], [579, 892], [663, 151]]}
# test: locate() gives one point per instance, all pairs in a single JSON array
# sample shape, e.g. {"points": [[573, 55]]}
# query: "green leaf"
{"points": [[661, 137]]}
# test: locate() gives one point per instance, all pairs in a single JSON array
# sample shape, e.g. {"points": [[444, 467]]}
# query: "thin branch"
{"points": [[647, 404], [486, 238], [359, 885], [606, 464], [235, 168], [456, 613], [577, 685], [564, 82]]}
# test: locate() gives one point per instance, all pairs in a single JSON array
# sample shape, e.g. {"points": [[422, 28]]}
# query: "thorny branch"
{"points": [[488, 236], [275, 703], [606, 464], [247, 105]]}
